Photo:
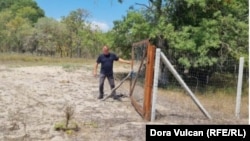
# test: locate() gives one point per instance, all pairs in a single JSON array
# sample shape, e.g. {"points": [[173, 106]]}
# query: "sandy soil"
{"points": [[33, 99]]}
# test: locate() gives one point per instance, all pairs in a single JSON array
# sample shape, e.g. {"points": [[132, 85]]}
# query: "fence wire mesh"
{"points": [[139, 53]]}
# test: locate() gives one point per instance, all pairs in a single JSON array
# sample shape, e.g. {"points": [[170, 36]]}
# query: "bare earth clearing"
{"points": [[33, 100]]}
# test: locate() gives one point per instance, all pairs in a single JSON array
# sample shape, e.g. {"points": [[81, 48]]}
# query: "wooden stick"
{"points": [[129, 74]]}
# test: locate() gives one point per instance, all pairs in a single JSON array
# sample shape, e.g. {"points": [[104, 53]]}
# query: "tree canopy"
{"points": [[197, 33]]}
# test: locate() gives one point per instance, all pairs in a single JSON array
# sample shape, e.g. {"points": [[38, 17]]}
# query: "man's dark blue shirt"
{"points": [[107, 63]]}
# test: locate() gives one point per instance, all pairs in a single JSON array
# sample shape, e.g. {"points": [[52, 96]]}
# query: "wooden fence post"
{"points": [[148, 86]]}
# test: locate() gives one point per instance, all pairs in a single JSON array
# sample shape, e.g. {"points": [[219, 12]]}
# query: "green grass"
{"points": [[19, 60]]}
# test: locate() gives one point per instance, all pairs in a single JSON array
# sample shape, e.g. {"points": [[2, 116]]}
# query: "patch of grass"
{"points": [[62, 126], [59, 126], [70, 67], [90, 124], [17, 60]]}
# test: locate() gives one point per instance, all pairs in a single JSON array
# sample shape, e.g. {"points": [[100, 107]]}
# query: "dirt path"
{"points": [[33, 99]]}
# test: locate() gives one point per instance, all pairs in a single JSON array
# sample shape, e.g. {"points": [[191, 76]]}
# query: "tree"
{"points": [[50, 36], [5, 17], [17, 29], [195, 35], [75, 22], [210, 27], [17, 18], [25, 8], [131, 29]]}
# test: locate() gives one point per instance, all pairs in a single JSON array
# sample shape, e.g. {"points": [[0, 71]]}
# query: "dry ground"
{"points": [[33, 99]]}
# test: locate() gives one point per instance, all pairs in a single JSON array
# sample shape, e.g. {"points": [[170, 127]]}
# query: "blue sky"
{"points": [[103, 12]]}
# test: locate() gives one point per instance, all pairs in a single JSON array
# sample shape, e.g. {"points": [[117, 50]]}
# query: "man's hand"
{"points": [[94, 73], [129, 62], [95, 70]]}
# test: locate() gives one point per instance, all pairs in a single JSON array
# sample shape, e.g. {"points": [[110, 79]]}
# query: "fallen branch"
{"points": [[129, 74]]}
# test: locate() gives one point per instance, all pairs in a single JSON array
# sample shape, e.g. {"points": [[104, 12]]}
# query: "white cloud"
{"points": [[100, 25]]}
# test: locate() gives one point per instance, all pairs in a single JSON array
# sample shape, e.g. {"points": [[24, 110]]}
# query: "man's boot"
{"points": [[100, 96]]}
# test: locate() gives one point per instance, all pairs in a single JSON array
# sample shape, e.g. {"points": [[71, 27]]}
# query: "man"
{"points": [[106, 60]]}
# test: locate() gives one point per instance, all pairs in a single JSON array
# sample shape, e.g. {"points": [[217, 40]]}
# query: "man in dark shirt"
{"points": [[106, 60]]}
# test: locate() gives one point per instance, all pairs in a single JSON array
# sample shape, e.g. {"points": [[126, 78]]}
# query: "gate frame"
{"points": [[144, 111]]}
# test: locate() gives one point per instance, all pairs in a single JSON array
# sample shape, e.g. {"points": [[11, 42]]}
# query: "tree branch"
{"points": [[148, 7], [143, 5]]}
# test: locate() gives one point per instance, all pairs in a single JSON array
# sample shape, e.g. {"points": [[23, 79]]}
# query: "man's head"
{"points": [[105, 50]]}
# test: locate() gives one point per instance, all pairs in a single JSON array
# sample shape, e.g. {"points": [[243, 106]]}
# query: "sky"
{"points": [[103, 12]]}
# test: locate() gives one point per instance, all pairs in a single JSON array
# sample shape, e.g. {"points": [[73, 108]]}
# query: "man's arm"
{"points": [[95, 69], [124, 61]]}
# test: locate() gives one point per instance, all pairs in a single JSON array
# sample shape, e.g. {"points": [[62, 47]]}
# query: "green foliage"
{"points": [[50, 33], [23, 28], [198, 33], [82, 40], [61, 126], [24, 8], [132, 28], [17, 19], [29, 13]]}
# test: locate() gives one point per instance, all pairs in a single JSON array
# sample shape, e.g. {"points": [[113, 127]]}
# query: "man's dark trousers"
{"points": [[111, 80]]}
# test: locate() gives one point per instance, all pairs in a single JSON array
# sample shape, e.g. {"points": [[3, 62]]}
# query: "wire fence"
{"points": [[207, 80], [137, 82], [221, 78]]}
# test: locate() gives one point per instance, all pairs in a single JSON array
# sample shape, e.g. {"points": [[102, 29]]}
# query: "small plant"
{"points": [[59, 126], [69, 112], [67, 125], [69, 132]]}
